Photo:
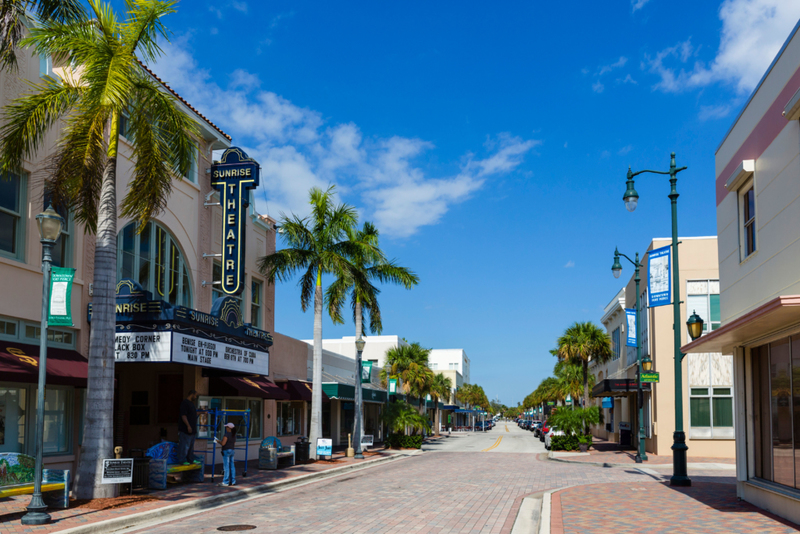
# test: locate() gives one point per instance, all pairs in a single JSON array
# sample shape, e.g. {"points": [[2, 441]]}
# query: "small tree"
{"points": [[401, 415]]}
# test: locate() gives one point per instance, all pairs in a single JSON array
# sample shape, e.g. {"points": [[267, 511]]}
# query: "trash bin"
{"points": [[302, 450]]}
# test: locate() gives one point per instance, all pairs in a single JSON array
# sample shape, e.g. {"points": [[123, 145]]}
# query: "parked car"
{"points": [[545, 429], [537, 428], [548, 438]]}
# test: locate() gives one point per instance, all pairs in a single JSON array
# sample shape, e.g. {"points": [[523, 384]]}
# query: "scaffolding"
{"points": [[217, 419]]}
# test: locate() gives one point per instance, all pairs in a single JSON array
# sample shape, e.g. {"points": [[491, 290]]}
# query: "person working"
{"points": [[228, 445], [187, 429]]}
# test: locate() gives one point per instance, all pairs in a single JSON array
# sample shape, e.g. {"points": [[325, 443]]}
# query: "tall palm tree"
{"points": [[373, 266], [582, 342], [13, 14], [318, 244], [440, 389], [107, 80], [401, 362]]}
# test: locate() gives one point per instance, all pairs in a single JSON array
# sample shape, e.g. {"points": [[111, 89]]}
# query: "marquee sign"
{"points": [[233, 176]]}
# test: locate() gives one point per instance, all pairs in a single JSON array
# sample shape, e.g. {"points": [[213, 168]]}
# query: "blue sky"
{"points": [[488, 141]]}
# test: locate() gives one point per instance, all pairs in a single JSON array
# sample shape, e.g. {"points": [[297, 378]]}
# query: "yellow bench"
{"points": [[16, 478]]}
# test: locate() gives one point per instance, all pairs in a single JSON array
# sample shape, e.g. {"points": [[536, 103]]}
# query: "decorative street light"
{"points": [[680, 476], [50, 225], [695, 326], [358, 400], [616, 268]]}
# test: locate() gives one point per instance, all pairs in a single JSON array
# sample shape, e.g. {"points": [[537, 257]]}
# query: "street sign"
{"points": [[392, 386], [324, 447], [551, 403], [117, 471], [650, 377], [366, 440]]}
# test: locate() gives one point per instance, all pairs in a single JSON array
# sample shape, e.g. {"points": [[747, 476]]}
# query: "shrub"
{"points": [[564, 443], [575, 421], [402, 441]]}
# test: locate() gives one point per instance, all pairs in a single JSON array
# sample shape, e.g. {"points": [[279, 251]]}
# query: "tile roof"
{"points": [[179, 97]]}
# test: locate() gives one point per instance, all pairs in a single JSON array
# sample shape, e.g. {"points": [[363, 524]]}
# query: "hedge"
{"points": [[564, 443], [397, 441]]}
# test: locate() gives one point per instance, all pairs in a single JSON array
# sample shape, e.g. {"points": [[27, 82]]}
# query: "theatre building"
{"points": [[185, 320], [758, 220]]}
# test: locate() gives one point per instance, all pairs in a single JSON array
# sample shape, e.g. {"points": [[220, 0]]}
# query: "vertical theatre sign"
{"points": [[234, 175]]}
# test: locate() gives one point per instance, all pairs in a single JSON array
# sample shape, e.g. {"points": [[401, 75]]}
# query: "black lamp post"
{"points": [[50, 225], [680, 476], [616, 269]]}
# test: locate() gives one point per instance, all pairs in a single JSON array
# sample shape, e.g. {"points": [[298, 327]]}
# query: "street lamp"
{"points": [[358, 401], [680, 476], [695, 325], [616, 268], [50, 225]]}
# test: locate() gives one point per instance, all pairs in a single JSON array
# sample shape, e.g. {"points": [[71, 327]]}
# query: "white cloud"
{"points": [[627, 79], [636, 5], [298, 150], [598, 87], [608, 68], [752, 33], [569, 264], [714, 112], [239, 6], [624, 150]]}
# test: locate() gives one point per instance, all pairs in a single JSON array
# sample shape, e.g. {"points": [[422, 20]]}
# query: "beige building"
{"points": [[758, 220], [707, 377]]}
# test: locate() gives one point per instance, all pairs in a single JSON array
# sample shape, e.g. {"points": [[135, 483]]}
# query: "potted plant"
{"points": [[584, 441]]}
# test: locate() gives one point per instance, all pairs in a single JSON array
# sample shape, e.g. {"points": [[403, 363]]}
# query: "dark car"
{"points": [[537, 428]]}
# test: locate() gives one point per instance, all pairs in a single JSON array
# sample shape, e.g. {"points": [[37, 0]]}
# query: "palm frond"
{"points": [[141, 31]]}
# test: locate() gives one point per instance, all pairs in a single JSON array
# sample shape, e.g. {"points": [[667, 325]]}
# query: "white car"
{"points": [[549, 436]]}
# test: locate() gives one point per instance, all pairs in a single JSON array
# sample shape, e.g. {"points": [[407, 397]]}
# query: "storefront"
{"points": [[620, 399], [340, 415]]}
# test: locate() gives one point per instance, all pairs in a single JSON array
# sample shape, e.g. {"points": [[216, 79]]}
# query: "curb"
{"points": [[168, 513], [535, 513], [704, 465]]}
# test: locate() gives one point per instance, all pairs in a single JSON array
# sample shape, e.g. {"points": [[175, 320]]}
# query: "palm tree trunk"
{"points": [[585, 390], [98, 429], [316, 375], [357, 430], [436, 419]]}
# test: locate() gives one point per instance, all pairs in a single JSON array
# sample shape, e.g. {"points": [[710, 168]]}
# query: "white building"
{"points": [[374, 349], [450, 359]]}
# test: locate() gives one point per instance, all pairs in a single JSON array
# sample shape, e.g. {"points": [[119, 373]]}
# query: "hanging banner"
{"points": [[59, 310], [366, 372], [630, 315], [392, 386], [659, 284]]}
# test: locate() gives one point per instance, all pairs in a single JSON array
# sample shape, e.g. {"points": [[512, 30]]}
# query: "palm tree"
{"points": [[318, 244], [372, 265], [582, 342], [13, 13], [440, 389], [402, 362], [106, 81]]}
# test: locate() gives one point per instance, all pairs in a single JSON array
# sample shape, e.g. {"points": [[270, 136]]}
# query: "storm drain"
{"points": [[236, 528]]}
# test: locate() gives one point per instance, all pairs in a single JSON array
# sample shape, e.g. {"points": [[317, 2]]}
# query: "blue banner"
{"points": [[608, 402], [659, 282], [630, 316]]}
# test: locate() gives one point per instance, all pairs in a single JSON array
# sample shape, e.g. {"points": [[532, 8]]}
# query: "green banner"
{"points": [[59, 310], [551, 403], [650, 377], [392, 386], [366, 372]]}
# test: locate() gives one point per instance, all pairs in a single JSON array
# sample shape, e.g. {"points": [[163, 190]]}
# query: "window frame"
{"points": [[709, 323], [299, 423], [711, 431], [256, 306], [10, 320], [22, 218], [24, 337], [29, 432], [616, 343], [743, 191]]}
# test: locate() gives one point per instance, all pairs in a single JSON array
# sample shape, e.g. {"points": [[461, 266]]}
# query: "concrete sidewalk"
{"points": [[112, 514], [609, 454]]}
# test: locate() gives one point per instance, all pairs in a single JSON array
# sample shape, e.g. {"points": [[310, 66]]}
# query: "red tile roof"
{"points": [[179, 97]]}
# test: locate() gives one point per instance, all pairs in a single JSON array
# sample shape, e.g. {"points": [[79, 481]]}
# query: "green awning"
{"points": [[338, 391]]}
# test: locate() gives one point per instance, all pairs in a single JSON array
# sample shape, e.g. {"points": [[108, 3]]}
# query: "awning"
{"points": [[255, 386], [299, 390], [19, 362], [778, 314], [618, 387], [339, 391], [465, 411], [450, 407]]}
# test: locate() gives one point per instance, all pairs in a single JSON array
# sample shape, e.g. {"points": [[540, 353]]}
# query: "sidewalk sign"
{"points": [[324, 447], [367, 440], [117, 471], [59, 309]]}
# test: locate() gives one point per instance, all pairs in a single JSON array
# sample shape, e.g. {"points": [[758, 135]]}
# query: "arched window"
{"points": [[154, 259]]}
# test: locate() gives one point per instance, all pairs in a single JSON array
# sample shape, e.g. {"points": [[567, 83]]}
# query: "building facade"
{"points": [[758, 210]]}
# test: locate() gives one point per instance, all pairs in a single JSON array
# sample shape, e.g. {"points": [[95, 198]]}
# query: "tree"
{"points": [[372, 266], [318, 244], [103, 79], [402, 363], [441, 388], [401, 415], [582, 342], [13, 13]]}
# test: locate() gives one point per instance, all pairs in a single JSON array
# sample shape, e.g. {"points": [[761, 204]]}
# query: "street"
{"points": [[462, 483]]}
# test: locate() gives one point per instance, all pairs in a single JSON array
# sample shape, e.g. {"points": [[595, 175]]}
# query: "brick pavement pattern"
{"points": [[628, 457], [655, 507], [439, 492]]}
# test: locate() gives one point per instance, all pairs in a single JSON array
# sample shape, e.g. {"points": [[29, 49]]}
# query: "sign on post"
{"points": [[324, 447], [59, 310], [659, 284], [367, 440], [630, 315], [392, 386], [366, 372], [117, 471], [651, 377]]}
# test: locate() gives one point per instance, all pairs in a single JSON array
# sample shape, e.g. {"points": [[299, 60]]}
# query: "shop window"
{"points": [[13, 215], [747, 216], [169, 399], [8, 329], [62, 250], [154, 259], [615, 343], [255, 303], [703, 299], [13, 419], [289, 418], [57, 435], [710, 396], [191, 173], [56, 337], [242, 403]]}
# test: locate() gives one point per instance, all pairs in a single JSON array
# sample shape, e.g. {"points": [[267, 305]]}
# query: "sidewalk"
{"points": [[81, 514], [611, 454], [656, 507]]}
